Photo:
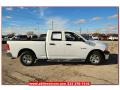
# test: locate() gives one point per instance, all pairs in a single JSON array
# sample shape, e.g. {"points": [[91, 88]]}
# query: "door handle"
{"points": [[51, 43], [69, 44]]}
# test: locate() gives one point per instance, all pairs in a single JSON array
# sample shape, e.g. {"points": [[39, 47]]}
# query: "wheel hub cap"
{"points": [[27, 59], [94, 59]]}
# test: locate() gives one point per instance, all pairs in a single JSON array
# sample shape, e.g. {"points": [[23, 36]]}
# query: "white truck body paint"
{"points": [[55, 49]]}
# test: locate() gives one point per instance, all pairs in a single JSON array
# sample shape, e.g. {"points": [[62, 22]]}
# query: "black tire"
{"points": [[27, 58], [96, 58]]}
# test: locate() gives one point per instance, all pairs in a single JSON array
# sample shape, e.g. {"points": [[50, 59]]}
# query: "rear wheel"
{"points": [[27, 58], [96, 58]]}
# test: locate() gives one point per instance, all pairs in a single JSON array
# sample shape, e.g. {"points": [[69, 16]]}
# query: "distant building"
{"points": [[103, 37], [113, 37]]}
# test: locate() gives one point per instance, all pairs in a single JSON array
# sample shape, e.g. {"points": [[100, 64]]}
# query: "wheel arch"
{"points": [[26, 49], [93, 51]]}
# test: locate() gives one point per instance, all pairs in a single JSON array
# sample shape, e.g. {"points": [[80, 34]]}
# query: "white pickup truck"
{"points": [[59, 45]]}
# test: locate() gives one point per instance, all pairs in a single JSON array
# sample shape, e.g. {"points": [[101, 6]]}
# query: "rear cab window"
{"points": [[56, 36]]}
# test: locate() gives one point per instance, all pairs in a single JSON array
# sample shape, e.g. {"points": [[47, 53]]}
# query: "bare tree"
{"points": [[10, 35], [30, 33]]}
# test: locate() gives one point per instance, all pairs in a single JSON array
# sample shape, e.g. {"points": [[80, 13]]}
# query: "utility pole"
{"points": [[52, 25], [37, 27], [80, 30], [87, 31]]}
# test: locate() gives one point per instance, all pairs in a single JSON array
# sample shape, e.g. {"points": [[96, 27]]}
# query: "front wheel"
{"points": [[96, 58], [27, 58]]}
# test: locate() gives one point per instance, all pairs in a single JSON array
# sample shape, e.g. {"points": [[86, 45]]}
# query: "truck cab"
{"points": [[65, 45]]}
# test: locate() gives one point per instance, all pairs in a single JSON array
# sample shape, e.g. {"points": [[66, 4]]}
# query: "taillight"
{"points": [[7, 48]]}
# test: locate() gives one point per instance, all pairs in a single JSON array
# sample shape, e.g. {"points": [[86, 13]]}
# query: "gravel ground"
{"points": [[13, 72]]}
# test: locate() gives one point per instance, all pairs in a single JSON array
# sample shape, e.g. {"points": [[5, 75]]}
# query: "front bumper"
{"points": [[107, 54]]}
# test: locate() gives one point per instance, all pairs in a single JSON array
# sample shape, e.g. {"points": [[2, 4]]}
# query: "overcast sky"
{"points": [[39, 19]]}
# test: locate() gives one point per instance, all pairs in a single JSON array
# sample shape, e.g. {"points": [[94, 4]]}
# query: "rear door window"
{"points": [[56, 36]]}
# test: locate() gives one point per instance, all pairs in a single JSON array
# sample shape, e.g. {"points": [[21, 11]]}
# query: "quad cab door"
{"points": [[55, 45], [75, 47]]}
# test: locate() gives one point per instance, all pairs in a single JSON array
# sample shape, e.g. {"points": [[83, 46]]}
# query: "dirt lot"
{"points": [[13, 72]]}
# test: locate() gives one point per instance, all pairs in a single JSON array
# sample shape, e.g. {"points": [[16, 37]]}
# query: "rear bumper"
{"points": [[10, 55], [107, 54]]}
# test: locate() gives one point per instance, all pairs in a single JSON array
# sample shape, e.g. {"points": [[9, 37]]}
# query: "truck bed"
{"points": [[37, 46]]}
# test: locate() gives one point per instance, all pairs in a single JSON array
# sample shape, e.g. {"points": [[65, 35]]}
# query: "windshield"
{"points": [[80, 36], [87, 37]]}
